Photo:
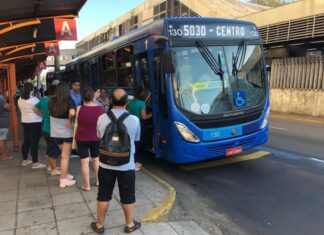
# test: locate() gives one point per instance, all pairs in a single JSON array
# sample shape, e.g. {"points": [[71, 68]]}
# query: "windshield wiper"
{"points": [[215, 65], [238, 60]]}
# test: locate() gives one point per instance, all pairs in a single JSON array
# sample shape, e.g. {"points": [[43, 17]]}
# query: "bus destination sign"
{"points": [[216, 30]]}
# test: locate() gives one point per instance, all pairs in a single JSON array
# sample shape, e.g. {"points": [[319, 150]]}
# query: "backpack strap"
{"points": [[123, 117], [112, 116]]}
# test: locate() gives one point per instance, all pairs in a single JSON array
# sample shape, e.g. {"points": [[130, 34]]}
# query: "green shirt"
{"points": [[42, 105], [135, 106]]}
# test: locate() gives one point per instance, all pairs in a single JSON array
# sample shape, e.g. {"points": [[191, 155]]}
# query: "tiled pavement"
{"points": [[32, 203]]}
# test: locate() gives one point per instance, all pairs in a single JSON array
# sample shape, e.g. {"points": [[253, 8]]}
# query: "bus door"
{"points": [[142, 81], [160, 112]]}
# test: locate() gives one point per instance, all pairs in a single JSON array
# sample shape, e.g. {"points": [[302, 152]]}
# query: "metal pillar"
{"points": [[13, 111]]}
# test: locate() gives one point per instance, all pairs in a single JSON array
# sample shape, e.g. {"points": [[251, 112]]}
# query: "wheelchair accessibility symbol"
{"points": [[239, 99]]}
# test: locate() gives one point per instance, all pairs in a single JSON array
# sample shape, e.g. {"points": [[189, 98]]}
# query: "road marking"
{"points": [[292, 156], [318, 160], [282, 153], [226, 161], [278, 128]]}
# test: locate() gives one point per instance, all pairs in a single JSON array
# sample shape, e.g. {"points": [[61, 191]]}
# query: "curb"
{"points": [[297, 119], [163, 207]]}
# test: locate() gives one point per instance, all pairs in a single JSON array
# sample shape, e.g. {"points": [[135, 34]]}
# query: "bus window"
{"points": [[142, 77], [109, 71], [82, 74], [124, 67], [108, 61]]}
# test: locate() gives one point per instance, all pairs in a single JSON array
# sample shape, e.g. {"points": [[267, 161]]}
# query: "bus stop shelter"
{"points": [[26, 26]]}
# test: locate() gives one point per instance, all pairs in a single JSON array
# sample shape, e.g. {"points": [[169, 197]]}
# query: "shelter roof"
{"points": [[26, 24]]}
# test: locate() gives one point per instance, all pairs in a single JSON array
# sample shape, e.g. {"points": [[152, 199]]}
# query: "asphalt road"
{"points": [[282, 193]]}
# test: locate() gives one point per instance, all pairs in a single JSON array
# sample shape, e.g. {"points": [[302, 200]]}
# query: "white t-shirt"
{"points": [[133, 126], [26, 109]]}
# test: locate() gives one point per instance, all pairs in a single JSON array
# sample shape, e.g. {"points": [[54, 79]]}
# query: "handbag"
{"points": [[74, 145]]}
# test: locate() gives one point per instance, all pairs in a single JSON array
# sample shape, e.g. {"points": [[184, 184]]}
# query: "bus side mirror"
{"points": [[167, 58]]}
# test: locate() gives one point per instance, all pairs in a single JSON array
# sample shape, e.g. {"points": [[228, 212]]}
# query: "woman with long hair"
{"points": [[32, 126], [86, 135], [62, 112]]}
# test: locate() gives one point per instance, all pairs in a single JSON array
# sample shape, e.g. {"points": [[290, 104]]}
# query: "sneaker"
{"points": [[38, 165], [26, 162], [74, 156], [66, 183], [70, 177]]}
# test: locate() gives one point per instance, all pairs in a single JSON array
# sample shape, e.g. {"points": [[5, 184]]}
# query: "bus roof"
{"points": [[154, 27]]}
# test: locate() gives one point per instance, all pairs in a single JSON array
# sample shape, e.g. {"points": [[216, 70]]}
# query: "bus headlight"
{"points": [[266, 119], [186, 133]]}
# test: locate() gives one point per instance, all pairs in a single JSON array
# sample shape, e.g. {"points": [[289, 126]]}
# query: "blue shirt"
{"points": [[76, 97], [133, 129]]}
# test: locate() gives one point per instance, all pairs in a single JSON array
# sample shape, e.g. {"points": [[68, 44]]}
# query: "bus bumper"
{"points": [[191, 152]]}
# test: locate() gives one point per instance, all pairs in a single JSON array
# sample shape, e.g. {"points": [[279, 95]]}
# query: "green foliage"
{"points": [[269, 3]]}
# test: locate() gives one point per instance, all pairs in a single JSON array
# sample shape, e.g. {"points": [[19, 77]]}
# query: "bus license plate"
{"points": [[233, 151]]}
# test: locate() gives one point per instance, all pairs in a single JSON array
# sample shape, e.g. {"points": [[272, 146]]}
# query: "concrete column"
{"points": [[57, 63]]}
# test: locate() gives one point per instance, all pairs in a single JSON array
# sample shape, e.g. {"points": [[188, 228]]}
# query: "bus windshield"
{"points": [[213, 80]]}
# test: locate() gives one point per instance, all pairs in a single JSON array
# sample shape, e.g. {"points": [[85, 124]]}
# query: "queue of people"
{"points": [[65, 116]]}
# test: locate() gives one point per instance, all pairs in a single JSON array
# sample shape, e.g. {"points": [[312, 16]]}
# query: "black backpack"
{"points": [[115, 145]]}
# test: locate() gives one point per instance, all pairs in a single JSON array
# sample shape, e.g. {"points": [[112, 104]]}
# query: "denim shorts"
{"points": [[52, 149], [3, 133]]}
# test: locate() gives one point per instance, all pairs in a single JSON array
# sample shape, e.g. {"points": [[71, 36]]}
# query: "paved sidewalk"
{"points": [[32, 203]]}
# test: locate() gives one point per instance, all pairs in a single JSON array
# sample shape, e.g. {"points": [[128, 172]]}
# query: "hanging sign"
{"points": [[65, 29], [39, 68], [52, 48]]}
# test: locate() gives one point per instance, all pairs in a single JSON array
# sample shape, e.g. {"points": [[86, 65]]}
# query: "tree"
{"points": [[269, 3]]}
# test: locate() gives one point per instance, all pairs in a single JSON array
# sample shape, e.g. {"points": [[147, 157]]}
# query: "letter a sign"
{"points": [[52, 48], [65, 29], [39, 67]]}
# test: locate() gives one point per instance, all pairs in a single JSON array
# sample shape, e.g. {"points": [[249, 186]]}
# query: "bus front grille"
{"points": [[221, 150]]}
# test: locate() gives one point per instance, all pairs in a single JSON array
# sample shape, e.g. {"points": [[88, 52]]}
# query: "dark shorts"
{"points": [[60, 141], [86, 147], [52, 149], [126, 185]]}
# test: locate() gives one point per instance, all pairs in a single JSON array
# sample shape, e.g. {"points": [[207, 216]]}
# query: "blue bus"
{"points": [[204, 80]]}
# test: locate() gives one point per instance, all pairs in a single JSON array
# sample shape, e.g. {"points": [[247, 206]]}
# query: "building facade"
{"points": [[155, 9]]}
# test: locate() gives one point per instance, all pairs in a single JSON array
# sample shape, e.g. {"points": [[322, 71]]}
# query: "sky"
{"points": [[97, 13]]}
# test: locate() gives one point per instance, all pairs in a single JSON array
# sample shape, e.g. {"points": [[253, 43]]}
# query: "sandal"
{"points": [[136, 226], [85, 189], [7, 157], [94, 227]]}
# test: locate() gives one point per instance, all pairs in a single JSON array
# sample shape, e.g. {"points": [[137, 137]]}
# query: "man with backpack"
{"points": [[118, 131]]}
